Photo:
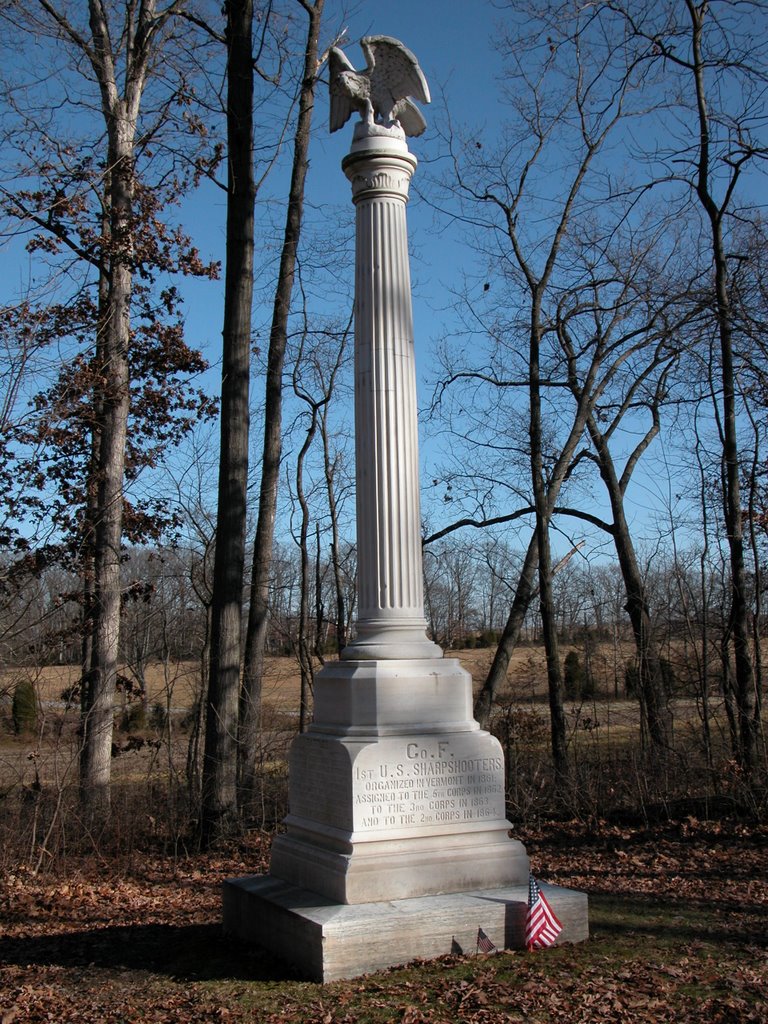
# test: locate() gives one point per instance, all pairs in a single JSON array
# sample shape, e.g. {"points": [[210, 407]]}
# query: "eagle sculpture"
{"points": [[382, 90]]}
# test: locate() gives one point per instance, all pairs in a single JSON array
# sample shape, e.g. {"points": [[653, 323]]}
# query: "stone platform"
{"points": [[326, 941]]}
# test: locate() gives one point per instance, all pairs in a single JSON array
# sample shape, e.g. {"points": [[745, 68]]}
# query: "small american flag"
{"points": [[541, 927], [484, 944]]}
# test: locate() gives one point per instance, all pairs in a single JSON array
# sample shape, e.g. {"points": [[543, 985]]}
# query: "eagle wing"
{"points": [[410, 117], [395, 75], [342, 106]]}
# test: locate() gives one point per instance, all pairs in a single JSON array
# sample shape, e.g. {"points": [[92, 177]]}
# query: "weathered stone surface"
{"points": [[395, 791], [326, 941], [393, 697]]}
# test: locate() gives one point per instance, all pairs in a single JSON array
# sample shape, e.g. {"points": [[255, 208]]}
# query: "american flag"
{"points": [[541, 927], [484, 944]]}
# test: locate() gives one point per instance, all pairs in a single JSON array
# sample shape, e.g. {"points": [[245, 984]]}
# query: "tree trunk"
{"points": [[497, 674], [526, 584], [744, 682], [303, 644], [654, 700], [543, 513], [87, 559], [98, 710], [219, 792], [330, 486], [258, 613]]}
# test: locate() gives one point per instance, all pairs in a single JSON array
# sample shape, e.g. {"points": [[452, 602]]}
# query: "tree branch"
{"points": [[481, 524]]}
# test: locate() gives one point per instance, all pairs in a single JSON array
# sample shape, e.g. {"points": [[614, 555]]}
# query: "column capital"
{"points": [[379, 166]]}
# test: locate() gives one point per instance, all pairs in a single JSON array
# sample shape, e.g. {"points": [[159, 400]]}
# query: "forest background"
{"points": [[176, 442]]}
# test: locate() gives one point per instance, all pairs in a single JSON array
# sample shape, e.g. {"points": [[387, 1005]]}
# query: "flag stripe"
{"points": [[542, 926], [484, 943]]}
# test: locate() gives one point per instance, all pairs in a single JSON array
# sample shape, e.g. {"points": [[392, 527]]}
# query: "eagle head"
{"points": [[357, 86]]}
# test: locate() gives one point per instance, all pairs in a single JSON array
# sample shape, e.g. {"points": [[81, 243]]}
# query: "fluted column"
{"points": [[391, 621]]}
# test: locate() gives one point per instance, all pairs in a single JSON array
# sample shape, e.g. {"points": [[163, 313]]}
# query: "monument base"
{"points": [[326, 941], [395, 791], [401, 868], [397, 845]]}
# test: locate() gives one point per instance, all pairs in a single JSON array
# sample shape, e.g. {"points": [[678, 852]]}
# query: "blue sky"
{"points": [[453, 41], [453, 44]]}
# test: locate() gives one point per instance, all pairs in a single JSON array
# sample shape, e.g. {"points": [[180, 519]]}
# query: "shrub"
{"points": [[669, 676], [158, 717], [133, 718], [573, 676], [24, 709], [632, 678], [489, 638], [71, 694], [578, 682]]}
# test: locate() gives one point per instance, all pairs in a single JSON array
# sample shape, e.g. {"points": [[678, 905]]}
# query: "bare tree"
{"points": [[335, 488], [219, 815], [653, 325], [317, 366], [714, 62], [571, 94], [258, 611]]}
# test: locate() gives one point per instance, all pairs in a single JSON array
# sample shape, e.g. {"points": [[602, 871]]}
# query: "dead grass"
{"points": [[603, 735], [177, 683], [181, 680]]}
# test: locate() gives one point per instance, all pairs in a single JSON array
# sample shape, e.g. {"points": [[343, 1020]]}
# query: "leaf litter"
{"points": [[679, 923]]}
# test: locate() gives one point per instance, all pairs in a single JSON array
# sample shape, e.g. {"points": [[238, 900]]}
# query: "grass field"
{"points": [[177, 683], [606, 727]]}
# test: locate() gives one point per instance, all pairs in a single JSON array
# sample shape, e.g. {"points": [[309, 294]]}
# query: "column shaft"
{"points": [[391, 620]]}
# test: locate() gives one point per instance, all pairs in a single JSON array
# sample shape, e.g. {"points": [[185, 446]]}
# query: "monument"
{"points": [[396, 844]]}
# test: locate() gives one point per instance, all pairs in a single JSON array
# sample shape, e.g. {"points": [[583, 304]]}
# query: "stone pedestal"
{"points": [[397, 842], [395, 791]]}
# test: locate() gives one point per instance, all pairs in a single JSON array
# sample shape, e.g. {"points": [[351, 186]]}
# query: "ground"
{"points": [[679, 931], [678, 912]]}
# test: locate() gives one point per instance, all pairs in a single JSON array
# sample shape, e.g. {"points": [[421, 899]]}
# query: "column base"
{"points": [[352, 869], [387, 639], [392, 697]]}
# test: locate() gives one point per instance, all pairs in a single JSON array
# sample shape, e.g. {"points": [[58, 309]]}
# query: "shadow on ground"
{"points": [[200, 953], [191, 953], [671, 922]]}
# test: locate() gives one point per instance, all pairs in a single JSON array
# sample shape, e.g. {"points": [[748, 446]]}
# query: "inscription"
{"points": [[431, 783]]}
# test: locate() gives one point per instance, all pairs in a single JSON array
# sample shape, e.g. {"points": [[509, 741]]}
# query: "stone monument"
{"points": [[396, 844]]}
